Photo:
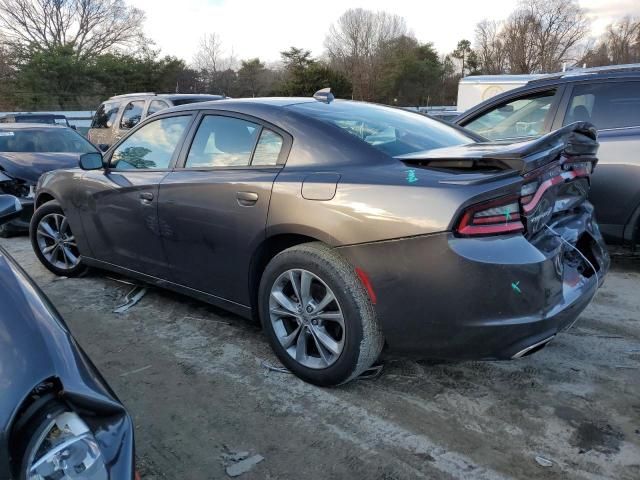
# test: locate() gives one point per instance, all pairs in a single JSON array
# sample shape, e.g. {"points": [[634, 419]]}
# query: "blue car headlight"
{"points": [[65, 449]]}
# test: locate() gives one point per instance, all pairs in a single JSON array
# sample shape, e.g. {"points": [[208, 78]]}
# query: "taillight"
{"points": [[501, 215]]}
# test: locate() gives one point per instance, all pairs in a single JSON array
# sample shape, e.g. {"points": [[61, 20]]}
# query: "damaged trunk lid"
{"points": [[554, 171]]}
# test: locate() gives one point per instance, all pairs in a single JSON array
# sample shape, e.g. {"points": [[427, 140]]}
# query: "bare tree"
{"points": [[214, 63], [542, 34], [619, 44], [490, 48], [355, 46], [90, 27], [622, 40]]}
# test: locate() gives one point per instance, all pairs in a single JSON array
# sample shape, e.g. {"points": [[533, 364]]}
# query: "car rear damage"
{"points": [[520, 261]]}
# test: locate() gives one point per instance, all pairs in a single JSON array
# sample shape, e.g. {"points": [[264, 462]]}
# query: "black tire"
{"points": [[363, 339], [52, 207]]}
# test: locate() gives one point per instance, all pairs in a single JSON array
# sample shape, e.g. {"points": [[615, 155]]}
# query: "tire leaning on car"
{"points": [[53, 241], [310, 297]]}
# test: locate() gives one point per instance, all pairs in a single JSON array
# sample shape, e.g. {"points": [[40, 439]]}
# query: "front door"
{"points": [[213, 210], [120, 217]]}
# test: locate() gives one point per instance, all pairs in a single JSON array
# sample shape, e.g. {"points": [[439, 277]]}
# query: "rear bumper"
{"points": [[486, 298]]}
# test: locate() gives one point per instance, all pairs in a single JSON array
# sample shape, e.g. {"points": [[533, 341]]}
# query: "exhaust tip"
{"points": [[533, 348]]}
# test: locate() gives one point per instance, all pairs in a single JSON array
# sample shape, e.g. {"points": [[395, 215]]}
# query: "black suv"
{"points": [[119, 114], [608, 97]]}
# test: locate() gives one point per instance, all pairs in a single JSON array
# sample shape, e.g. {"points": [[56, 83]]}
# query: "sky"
{"points": [[254, 28]]}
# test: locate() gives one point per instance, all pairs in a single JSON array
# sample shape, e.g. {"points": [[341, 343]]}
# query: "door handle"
{"points": [[146, 198], [247, 199]]}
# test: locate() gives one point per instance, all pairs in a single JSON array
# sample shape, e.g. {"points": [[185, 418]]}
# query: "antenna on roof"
{"points": [[324, 95]]}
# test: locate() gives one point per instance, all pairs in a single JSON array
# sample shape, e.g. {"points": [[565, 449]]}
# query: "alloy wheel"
{"points": [[307, 318], [56, 242]]}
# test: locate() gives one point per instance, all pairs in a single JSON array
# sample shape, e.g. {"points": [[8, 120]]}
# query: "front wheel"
{"points": [[53, 241], [318, 317]]}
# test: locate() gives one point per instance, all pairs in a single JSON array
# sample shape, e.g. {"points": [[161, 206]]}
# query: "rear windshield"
{"points": [[53, 140], [391, 130], [36, 119]]}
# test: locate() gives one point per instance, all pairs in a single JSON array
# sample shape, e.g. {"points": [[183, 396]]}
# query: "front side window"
{"points": [[524, 117], [606, 105], [155, 106], [391, 130], [222, 142], [105, 115], [152, 146], [132, 114]]}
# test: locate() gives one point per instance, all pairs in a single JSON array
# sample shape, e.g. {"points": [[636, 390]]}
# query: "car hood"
{"points": [[36, 345], [29, 166]]}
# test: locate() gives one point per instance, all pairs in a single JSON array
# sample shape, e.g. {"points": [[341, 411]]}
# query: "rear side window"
{"points": [[267, 149], [105, 115], [152, 146], [132, 114], [222, 142], [523, 117], [606, 105], [155, 106]]}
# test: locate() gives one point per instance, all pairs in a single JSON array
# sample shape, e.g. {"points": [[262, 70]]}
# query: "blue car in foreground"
{"points": [[58, 417]]}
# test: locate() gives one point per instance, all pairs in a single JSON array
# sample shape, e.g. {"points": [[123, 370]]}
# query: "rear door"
{"points": [[213, 207], [103, 123], [613, 106], [120, 216]]}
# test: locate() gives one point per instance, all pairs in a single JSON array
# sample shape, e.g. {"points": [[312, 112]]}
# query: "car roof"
{"points": [[238, 103], [33, 114], [168, 96], [580, 75], [27, 126]]}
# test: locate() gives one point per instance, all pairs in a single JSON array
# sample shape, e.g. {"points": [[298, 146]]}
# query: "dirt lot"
{"points": [[192, 377]]}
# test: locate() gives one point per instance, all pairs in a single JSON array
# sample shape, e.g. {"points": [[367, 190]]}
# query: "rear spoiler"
{"points": [[575, 141]]}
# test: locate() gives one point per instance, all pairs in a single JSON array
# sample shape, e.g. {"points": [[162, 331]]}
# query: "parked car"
{"points": [[26, 152], [116, 116], [344, 226], [48, 118], [608, 98], [59, 419]]}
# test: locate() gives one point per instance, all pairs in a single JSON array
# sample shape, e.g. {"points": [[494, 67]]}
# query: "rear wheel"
{"points": [[53, 241], [317, 316]]}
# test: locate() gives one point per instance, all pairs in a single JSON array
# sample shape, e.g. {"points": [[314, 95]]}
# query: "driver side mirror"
{"points": [[91, 161], [10, 208]]}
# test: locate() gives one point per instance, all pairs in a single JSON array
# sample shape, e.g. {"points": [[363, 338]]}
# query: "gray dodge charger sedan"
{"points": [[346, 228]]}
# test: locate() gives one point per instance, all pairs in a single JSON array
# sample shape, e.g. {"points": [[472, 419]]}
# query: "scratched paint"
{"points": [[411, 176], [516, 287]]}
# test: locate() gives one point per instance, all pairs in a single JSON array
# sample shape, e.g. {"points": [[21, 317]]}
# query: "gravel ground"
{"points": [[192, 376]]}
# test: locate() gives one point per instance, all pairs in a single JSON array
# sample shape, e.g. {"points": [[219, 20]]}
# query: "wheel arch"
{"points": [[42, 198], [269, 248]]}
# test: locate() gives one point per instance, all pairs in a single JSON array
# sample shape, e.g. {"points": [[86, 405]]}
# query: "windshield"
{"points": [[391, 130], [52, 140]]}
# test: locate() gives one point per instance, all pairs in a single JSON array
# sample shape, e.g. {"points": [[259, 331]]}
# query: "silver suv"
{"points": [[116, 116], [608, 97]]}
